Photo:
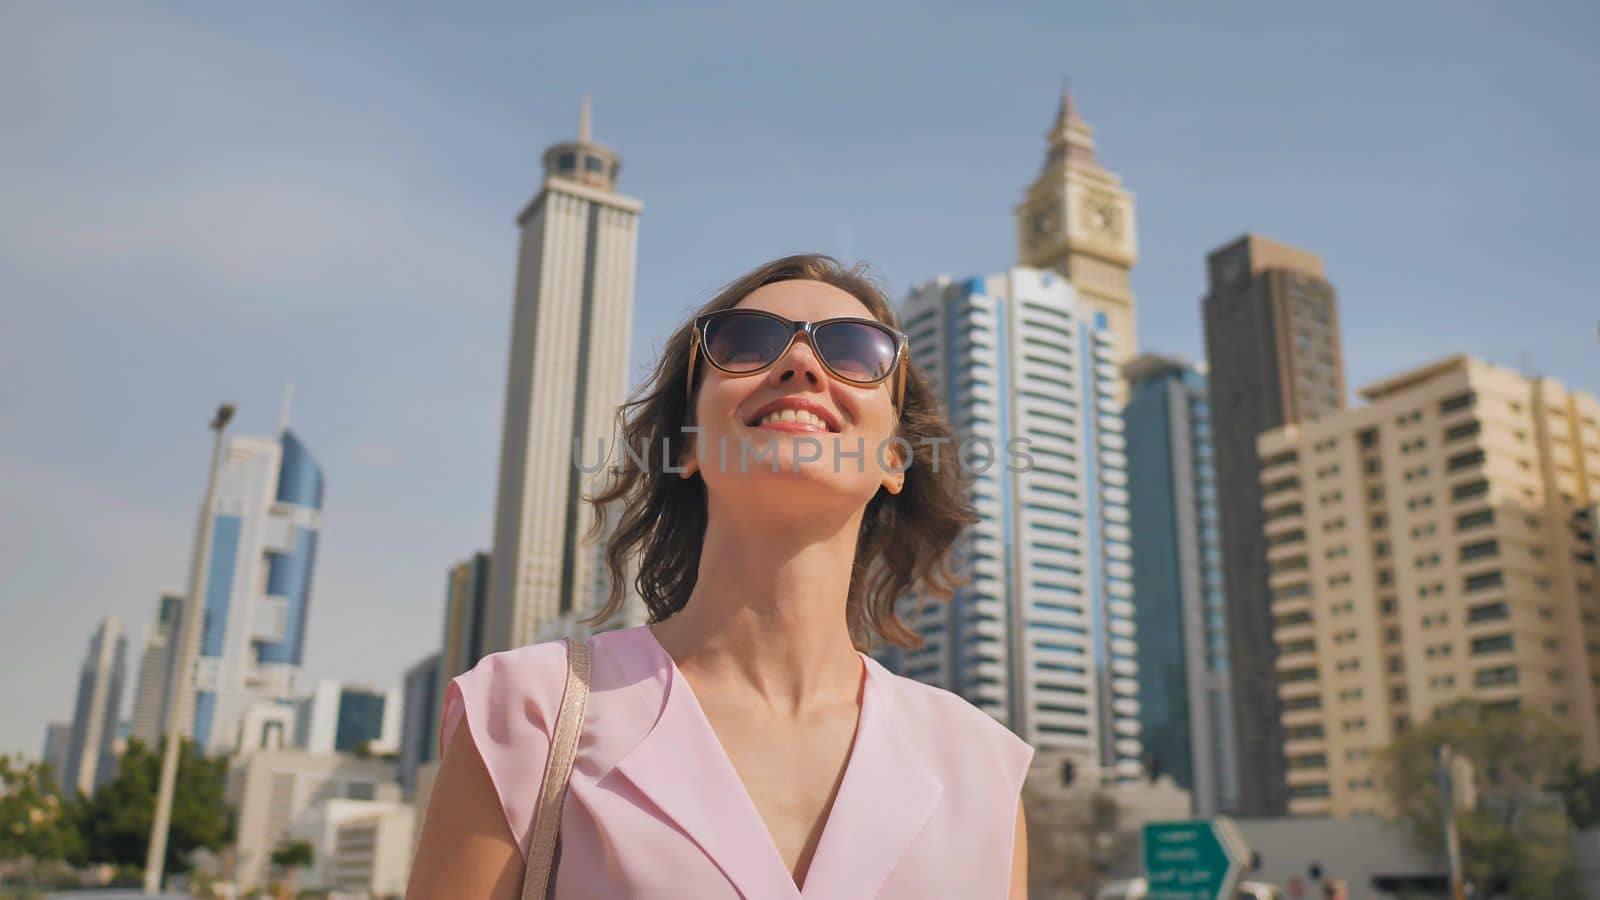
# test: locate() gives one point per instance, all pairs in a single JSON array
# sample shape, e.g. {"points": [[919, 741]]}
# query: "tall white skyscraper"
{"points": [[1043, 636], [569, 373], [256, 585], [90, 760], [155, 671]]}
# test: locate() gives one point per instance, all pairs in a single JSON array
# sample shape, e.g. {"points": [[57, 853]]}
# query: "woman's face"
{"points": [[746, 422]]}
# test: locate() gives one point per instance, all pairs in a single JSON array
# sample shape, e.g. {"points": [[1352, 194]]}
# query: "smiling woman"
{"points": [[742, 744]]}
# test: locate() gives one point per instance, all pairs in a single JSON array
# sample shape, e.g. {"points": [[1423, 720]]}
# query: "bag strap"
{"points": [[557, 770]]}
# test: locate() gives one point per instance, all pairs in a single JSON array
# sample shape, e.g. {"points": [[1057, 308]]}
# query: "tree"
{"points": [[1075, 838], [1516, 839], [115, 822], [1580, 792], [36, 822], [292, 856]]}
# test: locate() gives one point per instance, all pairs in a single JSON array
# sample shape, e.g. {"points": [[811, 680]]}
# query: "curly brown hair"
{"points": [[906, 539]]}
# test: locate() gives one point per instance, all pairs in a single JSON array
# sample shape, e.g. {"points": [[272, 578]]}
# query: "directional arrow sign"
{"points": [[1200, 860]]}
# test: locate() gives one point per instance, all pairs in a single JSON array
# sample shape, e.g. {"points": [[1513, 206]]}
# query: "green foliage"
{"points": [[293, 855], [115, 822], [35, 820], [1580, 791], [1517, 839]]}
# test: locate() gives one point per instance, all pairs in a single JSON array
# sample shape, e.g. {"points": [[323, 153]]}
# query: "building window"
{"points": [[1464, 460], [1488, 612], [1495, 677], [1495, 643]]}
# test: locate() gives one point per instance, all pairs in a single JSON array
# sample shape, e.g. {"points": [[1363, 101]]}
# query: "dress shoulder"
{"points": [[962, 735], [509, 702]]}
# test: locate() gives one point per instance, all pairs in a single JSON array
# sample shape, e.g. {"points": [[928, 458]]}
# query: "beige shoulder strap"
{"points": [[557, 769]]}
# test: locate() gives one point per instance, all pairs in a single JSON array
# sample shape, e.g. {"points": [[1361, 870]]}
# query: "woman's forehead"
{"points": [[805, 301]]}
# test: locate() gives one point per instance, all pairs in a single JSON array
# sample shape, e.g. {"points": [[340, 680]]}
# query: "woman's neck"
{"points": [[768, 612]]}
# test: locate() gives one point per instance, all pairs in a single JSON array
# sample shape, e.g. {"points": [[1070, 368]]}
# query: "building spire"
{"points": [[583, 121], [288, 404], [1068, 111], [1071, 138]]}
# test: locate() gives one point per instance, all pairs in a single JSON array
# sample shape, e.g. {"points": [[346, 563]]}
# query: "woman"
{"points": [[740, 745]]}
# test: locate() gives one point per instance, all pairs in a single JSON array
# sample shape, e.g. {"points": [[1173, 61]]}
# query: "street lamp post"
{"points": [[1450, 798], [182, 676]]}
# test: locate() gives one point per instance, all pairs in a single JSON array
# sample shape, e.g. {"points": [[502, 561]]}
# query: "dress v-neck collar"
{"points": [[884, 798]]}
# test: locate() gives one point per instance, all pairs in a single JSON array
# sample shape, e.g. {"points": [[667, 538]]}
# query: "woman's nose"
{"points": [[799, 363]]}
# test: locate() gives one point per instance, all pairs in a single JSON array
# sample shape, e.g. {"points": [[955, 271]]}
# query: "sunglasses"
{"points": [[857, 351]]}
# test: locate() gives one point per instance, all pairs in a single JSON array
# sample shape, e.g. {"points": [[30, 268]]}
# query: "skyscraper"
{"points": [[155, 671], [568, 374], [1272, 346], [340, 718], [420, 729], [57, 740], [257, 584], [465, 609], [1077, 219], [1432, 546], [1043, 636], [90, 761], [1185, 701]]}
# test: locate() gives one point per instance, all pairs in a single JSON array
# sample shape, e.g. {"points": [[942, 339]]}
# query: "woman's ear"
{"points": [[688, 461], [894, 474]]}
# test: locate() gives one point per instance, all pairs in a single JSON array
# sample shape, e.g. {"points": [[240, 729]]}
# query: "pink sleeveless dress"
{"points": [[655, 809]]}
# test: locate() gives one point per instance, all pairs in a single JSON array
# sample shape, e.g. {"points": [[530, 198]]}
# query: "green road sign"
{"points": [[1200, 860]]}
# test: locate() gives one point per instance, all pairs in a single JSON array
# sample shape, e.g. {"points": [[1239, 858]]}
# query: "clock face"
{"points": [[1042, 223], [1101, 216]]}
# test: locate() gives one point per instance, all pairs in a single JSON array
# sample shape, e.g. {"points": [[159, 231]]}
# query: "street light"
{"points": [[182, 677]]}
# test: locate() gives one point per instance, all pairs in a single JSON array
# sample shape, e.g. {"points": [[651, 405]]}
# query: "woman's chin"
{"points": [[805, 485]]}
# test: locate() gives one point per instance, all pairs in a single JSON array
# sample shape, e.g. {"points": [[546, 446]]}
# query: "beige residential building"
{"points": [[1434, 545]]}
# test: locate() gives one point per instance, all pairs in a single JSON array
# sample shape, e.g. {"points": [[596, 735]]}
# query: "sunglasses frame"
{"points": [[896, 367]]}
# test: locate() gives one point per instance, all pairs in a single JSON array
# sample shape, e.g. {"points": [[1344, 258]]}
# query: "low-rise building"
{"points": [[274, 791]]}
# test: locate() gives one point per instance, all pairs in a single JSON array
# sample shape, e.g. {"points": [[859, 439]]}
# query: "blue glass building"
{"points": [[266, 519], [1185, 699]]}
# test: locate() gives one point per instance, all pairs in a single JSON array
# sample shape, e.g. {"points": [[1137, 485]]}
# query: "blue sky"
{"points": [[199, 205]]}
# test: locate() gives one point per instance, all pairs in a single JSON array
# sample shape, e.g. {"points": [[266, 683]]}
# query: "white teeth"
{"points": [[799, 416]]}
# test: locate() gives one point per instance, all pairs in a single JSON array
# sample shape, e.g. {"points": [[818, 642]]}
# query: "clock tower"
{"points": [[1077, 219]]}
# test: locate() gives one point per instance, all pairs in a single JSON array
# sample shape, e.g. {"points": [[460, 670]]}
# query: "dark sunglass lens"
{"points": [[856, 350], [744, 342]]}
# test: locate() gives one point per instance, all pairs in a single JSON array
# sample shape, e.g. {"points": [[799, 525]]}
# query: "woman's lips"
{"points": [[794, 427]]}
